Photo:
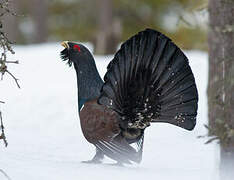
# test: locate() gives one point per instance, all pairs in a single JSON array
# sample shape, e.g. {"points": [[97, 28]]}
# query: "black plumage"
{"points": [[149, 80]]}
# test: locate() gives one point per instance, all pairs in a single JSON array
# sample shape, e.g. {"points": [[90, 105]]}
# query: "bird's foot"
{"points": [[117, 164], [93, 161]]}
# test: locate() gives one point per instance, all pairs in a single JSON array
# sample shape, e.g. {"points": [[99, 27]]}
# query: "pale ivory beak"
{"points": [[65, 44]]}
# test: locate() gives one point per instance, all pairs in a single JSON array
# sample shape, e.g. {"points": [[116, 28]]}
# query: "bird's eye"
{"points": [[76, 47]]}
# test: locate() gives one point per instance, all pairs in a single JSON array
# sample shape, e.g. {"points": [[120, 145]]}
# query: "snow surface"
{"points": [[45, 138]]}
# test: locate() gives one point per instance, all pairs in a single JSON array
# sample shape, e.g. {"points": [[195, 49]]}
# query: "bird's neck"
{"points": [[89, 82]]}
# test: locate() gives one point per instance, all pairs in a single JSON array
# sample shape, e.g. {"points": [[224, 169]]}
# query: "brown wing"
{"points": [[98, 123], [100, 126]]}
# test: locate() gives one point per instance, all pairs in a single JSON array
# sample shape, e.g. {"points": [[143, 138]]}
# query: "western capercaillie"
{"points": [[149, 80]]}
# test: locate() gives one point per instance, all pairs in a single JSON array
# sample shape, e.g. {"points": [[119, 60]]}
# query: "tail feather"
{"points": [[150, 80]]}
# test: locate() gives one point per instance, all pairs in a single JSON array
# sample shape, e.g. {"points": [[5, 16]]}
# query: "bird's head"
{"points": [[74, 52]]}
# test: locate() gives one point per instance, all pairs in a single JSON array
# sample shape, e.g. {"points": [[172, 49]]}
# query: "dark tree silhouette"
{"points": [[109, 28], [221, 81], [39, 12]]}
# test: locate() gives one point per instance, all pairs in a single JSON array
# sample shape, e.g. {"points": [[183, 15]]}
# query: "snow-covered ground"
{"points": [[45, 139]]}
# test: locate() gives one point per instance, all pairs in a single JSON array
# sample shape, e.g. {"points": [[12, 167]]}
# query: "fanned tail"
{"points": [[150, 80]]}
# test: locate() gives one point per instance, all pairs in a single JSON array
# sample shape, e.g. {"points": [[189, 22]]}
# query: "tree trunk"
{"points": [[221, 81], [10, 23], [109, 30], [39, 11]]}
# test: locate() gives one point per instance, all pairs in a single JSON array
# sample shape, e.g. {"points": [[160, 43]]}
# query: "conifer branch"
{"points": [[6, 46], [2, 136], [5, 174]]}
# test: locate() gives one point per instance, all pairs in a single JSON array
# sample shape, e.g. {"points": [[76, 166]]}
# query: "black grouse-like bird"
{"points": [[149, 80]]}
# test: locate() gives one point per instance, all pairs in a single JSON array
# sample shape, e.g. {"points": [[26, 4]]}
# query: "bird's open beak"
{"points": [[65, 44]]}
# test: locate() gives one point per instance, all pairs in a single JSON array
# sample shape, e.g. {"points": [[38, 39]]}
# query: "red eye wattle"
{"points": [[76, 47]]}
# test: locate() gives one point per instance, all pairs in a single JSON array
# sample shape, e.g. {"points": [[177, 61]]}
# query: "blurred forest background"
{"points": [[105, 23]]}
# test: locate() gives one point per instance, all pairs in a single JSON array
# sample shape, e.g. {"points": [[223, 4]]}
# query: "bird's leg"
{"points": [[98, 156], [97, 159], [118, 163]]}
